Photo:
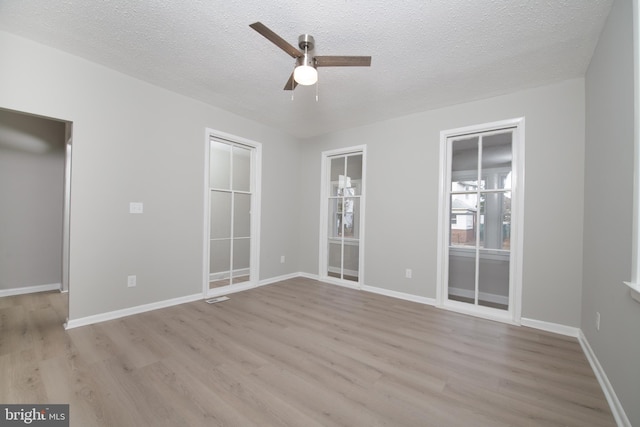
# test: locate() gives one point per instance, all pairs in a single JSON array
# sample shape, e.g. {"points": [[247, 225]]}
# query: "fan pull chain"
{"points": [[317, 84]]}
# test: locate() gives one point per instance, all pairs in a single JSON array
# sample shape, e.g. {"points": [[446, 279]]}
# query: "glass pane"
{"points": [[493, 279], [241, 255], [334, 260], [337, 176], [220, 258], [463, 219], [496, 160], [464, 164], [241, 169], [220, 215], [351, 218], [220, 165], [495, 220], [462, 274], [335, 218], [242, 215], [351, 261], [353, 177]]}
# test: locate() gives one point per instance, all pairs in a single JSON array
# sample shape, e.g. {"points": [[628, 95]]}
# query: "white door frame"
{"points": [[513, 315], [256, 187], [66, 225], [324, 196]]}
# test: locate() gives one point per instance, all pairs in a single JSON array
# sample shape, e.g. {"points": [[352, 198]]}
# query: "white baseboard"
{"points": [[399, 295], [308, 276], [276, 279], [556, 328], [83, 321], [30, 289], [610, 394]]}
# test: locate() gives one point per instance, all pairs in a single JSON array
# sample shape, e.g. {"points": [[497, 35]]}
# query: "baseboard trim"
{"points": [[30, 289], [556, 328], [116, 314], [399, 295], [614, 403], [276, 279], [308, 276]]}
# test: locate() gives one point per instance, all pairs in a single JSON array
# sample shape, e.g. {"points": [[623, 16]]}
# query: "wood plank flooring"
{"points": [[295, 353]]}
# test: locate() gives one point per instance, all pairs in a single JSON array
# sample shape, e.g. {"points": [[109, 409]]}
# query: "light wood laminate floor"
{"points": [[298, 353]]}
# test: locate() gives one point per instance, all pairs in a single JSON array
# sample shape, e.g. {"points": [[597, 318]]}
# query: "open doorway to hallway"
{"points": [[35, 171]]}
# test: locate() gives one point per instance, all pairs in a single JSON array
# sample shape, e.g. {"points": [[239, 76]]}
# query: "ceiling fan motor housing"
{"points": [[306, 43]]}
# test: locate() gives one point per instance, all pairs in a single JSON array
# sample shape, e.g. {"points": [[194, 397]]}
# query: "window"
{"points": [[232, 212], [341, 254], [479, 245]]}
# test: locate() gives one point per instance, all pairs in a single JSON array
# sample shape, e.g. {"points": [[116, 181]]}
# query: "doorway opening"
{"points": [[35, 186]]}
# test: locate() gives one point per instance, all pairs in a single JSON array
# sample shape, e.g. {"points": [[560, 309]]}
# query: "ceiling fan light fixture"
{"points": [[305, 75]]}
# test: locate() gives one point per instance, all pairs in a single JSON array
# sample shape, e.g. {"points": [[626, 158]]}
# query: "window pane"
{"points": [[351, 218], [337, 176], [241, 169], [496, 160], [220, 215], [493, 279], [335, 218], [220, 258], [353, 176], [462, 274], [351, 261], [464, 164], [241, 215], [334, 260], [495, 220], [220, 165], [463, 220], [241, 254]]}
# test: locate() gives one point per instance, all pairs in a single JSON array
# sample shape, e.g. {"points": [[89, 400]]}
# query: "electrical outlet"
{"points": [[131, 281], [282, 259], [597, 320], [408, 273]]}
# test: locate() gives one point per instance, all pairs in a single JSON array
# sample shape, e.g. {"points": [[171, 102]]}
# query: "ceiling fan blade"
{"points": [[343, 61], [291, 83], [276, 39]]}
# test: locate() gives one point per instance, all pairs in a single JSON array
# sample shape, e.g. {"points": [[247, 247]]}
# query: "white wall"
{"points": [[136, 142], [402, 194], [32, 152], [608, 209]]}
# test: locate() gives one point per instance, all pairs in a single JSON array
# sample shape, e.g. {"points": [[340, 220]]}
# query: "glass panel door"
{"points": [[230, 199], [479, 251], [344, 216]]}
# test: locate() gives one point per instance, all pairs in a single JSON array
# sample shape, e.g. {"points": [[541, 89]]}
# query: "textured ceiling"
{"points": [[426, 54]]}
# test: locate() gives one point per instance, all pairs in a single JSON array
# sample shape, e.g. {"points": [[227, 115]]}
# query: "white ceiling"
{"points": [[426, 54]]}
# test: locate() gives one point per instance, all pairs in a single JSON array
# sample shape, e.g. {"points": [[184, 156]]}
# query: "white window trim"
{"points": [[634, 283], [256, 187], [517, 176], [324, 197]]}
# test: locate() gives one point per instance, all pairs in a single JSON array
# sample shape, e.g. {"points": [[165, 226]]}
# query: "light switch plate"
{"points": [[136, 207]]}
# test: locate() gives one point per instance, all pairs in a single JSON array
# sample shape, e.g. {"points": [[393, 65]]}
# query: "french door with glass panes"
{"points": [[481, 212], [342, 255], [231, 197]]}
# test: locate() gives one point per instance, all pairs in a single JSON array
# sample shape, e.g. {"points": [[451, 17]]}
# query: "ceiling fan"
{"points": [[306, 72]]}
